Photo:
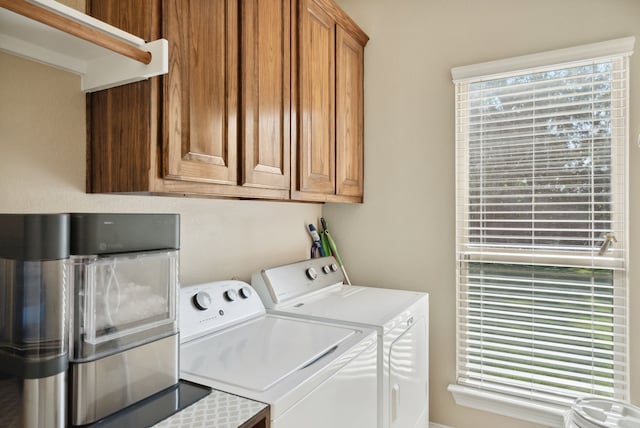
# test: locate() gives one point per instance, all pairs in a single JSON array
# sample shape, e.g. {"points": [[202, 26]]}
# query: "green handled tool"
{"points": [[325, 243], [334, 249]]}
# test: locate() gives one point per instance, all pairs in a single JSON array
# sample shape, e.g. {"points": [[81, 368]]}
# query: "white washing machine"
{"points": [[312, 374], [313, 289]]}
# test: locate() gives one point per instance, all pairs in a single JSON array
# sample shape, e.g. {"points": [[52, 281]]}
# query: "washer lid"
{"points": [[364, 305], [258, 354]]}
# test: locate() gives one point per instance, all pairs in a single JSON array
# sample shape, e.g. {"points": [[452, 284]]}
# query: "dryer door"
{"points": [[408, 378]]}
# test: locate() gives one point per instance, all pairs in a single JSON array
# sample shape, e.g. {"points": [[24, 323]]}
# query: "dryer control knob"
{"points": [[311, 273], [245, 292], [326, 269], [202, 300], [230, 295], [333, 267]]}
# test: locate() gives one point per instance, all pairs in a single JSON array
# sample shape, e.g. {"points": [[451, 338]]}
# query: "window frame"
{"points": [[502, 403]]}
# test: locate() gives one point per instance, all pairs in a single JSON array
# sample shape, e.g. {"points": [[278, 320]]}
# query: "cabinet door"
{"points": [[266, 92], [316, 134], [201, 91], [349, 115]]}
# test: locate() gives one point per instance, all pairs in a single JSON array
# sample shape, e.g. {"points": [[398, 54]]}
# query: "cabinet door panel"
{"points": [[316, 152], [349, 115], [201, 91], [266, 92]]}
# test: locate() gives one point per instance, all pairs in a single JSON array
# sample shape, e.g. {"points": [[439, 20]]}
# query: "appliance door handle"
{"points": [[319, 357], [395, 401]]}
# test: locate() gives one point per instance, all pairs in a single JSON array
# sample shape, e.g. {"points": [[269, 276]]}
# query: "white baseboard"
{"points": [[434, 425]]}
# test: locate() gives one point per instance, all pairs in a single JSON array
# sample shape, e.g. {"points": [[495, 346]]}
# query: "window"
{"points": [[541, 146]]}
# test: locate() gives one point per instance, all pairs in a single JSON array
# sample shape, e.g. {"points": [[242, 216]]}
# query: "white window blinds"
{"points": [[541, 230]]}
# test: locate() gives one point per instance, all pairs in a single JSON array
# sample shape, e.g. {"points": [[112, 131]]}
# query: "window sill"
{"points": [[519, 408]]}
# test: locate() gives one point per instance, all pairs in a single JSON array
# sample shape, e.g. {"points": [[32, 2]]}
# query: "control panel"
{"points": [[280, 284], [206, 308]]}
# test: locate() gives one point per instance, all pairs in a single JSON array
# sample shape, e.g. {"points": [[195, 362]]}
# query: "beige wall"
{"points": [[403, 235], [42, 169]]}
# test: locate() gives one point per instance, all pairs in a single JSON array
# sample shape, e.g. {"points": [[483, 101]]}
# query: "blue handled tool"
{"points": [[317, 242]]}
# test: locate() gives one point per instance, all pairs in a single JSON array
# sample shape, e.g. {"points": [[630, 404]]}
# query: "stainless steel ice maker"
{"points": [[124, 333]]}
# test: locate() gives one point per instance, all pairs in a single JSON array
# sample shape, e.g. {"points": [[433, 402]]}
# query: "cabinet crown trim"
{"points": [[344, 20]]}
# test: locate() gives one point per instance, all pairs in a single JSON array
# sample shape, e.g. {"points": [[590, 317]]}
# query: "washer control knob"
{"points": [[202, 300], [326, 269], [230, 295], [245, 292], [333, 267], [311, 273]]}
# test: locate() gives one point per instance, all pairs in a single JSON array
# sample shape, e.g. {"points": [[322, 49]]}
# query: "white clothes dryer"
{"points": [[314, 290], [312, 374]]}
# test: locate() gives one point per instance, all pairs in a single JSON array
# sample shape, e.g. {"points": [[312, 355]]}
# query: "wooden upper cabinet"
{"points": [[316, 155], [218, 124], [265, 56], [201, 91], [349, 115], [263, 99], [329, 138]]}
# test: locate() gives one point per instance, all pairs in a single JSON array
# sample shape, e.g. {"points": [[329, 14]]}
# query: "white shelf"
{"points": [[99, 67]]}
